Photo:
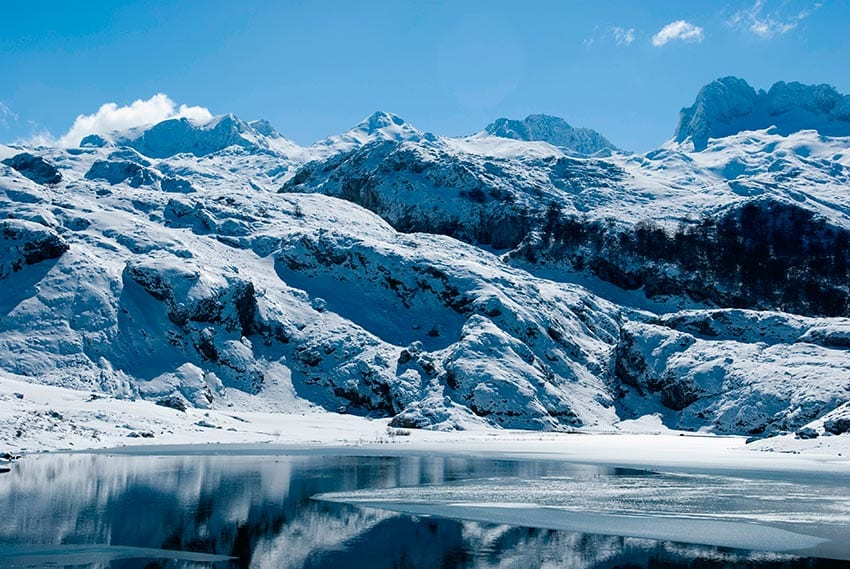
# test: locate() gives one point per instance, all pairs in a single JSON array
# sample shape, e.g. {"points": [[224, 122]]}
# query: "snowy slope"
{"points": [[564, 214], [390, 273], [224, 149], [187, 298]]}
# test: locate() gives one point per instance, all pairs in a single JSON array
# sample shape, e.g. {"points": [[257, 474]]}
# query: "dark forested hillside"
{"points": [[764, 254]]}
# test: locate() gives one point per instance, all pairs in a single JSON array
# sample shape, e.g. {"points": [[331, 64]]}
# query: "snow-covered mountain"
{"points": [[730, 105], [379, 126], [198, 138], [443, 282], [774, 203], [554, 130]]}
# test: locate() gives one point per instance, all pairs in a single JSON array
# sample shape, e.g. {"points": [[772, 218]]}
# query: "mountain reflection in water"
{"points": [[92, 510]]}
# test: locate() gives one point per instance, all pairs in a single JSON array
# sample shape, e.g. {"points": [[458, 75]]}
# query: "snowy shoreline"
{"points": [[53, 419]]}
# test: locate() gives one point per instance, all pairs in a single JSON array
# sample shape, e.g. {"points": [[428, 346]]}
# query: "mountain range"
{"points": [[531, 275]]}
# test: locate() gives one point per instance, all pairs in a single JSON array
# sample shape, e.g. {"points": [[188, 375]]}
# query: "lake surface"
{"points": [[310, 511]]}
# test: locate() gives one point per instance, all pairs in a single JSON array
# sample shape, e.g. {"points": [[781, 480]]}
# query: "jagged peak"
{"points": [[265, 128], [730, 105], [552, 129], [184, 135], [532, 119], [382, 125]]}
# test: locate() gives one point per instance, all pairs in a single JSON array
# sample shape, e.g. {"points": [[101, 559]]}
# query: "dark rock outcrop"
{"points": [[25, 243], [837, 426], [35, 168], [760, 254], [118, 171]]}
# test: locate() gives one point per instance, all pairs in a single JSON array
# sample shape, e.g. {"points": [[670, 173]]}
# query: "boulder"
{"points": [[35, 168], [24, 243]]}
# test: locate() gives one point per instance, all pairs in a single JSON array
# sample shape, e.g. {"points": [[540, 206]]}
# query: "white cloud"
{"points": [[38, 138], [110, 117], [589, 41], [620, 36], [623, 36], [765, 23], [679, 30], [6, 115]]}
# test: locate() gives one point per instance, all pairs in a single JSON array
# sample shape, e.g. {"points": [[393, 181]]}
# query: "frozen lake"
{"points": [[302, 510]]}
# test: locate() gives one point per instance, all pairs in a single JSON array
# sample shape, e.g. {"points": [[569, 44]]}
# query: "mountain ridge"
{"points": [[438, 283], [730, 105], [554, 130], [722, 108]]}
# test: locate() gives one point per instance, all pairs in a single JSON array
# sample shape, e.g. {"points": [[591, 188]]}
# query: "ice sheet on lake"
{"points": [[721, 511], [739, 535]]}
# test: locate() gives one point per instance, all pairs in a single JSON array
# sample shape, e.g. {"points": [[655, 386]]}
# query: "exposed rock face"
{"points": [[554, 130], [837, 426], [93, 141], [173, 402], [194, 295], [837, 421], [35, 168], [115, 172], [25, 243], [730, 105], [806, 433]]}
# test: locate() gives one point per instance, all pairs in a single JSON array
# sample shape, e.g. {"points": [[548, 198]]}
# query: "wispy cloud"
{"points": [[680, 30], [6, 115], [767, 23], [621, 36], [38, 137], [110, 117]]}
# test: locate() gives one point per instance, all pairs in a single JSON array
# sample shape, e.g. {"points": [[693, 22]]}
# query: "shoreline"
{"points": [[54, 419], [670, 453]]}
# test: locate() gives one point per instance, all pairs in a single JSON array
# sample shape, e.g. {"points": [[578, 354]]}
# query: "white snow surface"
{"points": [[457, 178], [249, 426], [379, 126], [165, 267]]}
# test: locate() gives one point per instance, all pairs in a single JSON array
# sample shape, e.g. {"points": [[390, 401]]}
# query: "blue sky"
{"points": [[315, 68]]}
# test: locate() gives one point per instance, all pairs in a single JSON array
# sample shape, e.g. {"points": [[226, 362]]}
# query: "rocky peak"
{"points": [[554, 130], [729, 105], [199, 138]]}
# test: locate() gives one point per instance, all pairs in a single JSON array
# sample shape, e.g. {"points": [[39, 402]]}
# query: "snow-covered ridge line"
{"points": [[436, 283], [725, 107], [554, 130]]}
